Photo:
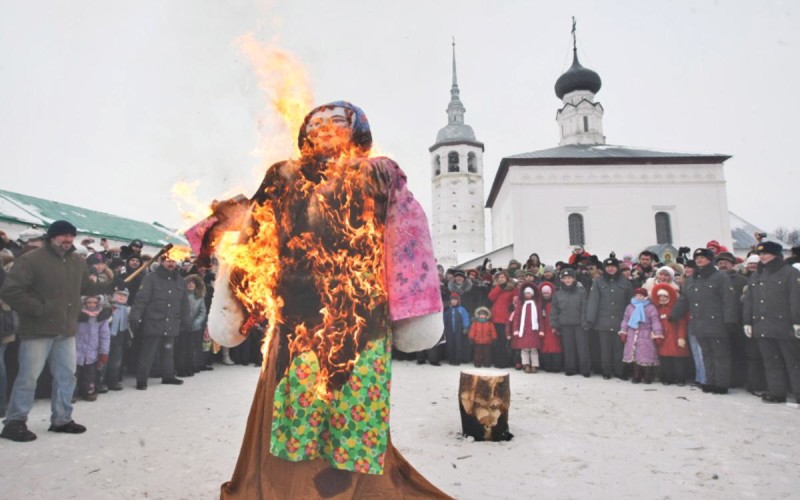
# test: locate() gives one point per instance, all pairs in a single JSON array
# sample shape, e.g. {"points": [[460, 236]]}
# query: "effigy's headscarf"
{"points": [[361, 137]]}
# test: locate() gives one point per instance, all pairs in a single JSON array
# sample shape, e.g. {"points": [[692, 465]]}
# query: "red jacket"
{"points": [[672, 330], [482, 333], [501, 303], [550, 342]]}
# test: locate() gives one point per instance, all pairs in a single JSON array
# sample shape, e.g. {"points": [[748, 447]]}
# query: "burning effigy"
{"points": [[332, 258]]}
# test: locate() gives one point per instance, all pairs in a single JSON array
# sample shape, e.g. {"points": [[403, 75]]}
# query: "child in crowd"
{"points": [[482, 334], [527, 333], [92, 344], [189, 344], [567, 319], [456, 327], [640, 331], [551, 356], [674, 351], [120, 334]]}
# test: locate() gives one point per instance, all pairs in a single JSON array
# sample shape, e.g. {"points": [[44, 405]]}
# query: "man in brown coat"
{"points": [[45, 288]]}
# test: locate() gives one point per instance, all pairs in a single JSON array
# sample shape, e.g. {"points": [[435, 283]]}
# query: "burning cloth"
{"points": [[332, 256]]}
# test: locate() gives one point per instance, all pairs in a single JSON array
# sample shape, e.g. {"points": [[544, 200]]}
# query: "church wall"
{"points": [[618, 205]]}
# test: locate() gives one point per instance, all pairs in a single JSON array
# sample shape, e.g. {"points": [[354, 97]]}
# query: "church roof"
{"points": [[597, 154], [22, 209], [455, 132]]}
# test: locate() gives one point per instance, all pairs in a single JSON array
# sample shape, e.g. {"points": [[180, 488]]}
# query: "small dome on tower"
{"points": [[455, 132], [577, 78]]}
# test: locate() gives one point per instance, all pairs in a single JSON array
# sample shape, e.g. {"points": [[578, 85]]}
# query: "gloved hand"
{"points": [[555, 331], [797, 331], [659, 341], [102, 359], [682, 343], [623, 336], [748, 331], [541, 333]]}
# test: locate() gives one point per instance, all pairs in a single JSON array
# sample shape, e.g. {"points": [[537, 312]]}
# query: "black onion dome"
{"points": [[577, 78]]}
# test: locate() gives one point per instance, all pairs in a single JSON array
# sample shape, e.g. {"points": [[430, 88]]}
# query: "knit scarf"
{"points": [[534, 317], [92, 313], [638, 315]]}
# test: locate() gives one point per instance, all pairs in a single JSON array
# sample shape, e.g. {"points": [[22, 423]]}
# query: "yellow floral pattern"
{"points": [[348, 427]]}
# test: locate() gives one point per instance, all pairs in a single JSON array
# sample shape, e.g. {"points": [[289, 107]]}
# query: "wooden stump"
{"points": [[484, 396]]}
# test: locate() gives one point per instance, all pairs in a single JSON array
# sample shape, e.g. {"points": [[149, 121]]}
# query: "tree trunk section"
{"points": [[484, 397]]}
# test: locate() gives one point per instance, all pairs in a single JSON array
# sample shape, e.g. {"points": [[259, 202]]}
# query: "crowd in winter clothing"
{"points": [[115, 310], [707, 318]]}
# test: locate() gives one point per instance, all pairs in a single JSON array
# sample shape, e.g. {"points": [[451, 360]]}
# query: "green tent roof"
{"points": [[20, 208]]}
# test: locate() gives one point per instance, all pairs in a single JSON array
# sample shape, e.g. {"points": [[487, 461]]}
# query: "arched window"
{"points": [[452, 162], [576, 234], [472, 164], [663, 228], [437, 165]]}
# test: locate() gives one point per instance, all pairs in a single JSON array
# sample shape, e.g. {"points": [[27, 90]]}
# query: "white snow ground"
{"points": [[574, 438]]}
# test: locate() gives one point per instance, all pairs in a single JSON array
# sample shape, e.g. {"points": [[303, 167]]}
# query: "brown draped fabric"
{"points": [[259, 474]]}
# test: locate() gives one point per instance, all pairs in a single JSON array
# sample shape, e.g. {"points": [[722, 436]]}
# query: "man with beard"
{"points": [[709, 299], [610, 295], [644, 270], [45, 287], [772, 316]]}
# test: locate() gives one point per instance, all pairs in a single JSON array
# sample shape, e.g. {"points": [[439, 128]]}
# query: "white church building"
{"points": [[586, 192]]}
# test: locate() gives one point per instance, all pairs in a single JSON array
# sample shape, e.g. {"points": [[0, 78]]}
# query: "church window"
{"points": [[437, 165], [663, 228], [452, 162], [454, 227], [585, 123], [576, 234], [471, 163]]}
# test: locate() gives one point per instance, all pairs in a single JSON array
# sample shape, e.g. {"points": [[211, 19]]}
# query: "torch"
{"points": [[137, 272]]}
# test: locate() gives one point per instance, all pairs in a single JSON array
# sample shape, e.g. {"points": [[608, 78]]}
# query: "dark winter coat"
{"points": [[569, 307], [162, 304], [772, 300], [609, 297], [456, 321], [45, 289], [709, 299], [738, 282]]}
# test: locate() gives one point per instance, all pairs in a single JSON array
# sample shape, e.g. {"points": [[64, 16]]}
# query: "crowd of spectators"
{"points": [[705, 318], [95, 315]]}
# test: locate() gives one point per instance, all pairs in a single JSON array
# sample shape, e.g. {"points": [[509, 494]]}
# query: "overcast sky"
{"points": [[107, 104]]}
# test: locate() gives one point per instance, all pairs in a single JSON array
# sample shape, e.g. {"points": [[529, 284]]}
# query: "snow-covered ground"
{"points": [[573, 438]]}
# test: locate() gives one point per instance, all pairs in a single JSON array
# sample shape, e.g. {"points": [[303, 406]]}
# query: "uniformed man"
{"points": [[610, 295], [739, 362], [710, 300], [772, 316]]}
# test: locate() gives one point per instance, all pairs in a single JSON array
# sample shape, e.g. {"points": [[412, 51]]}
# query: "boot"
{"points": [[527, 368], [16, 430], [648, 374], [637, 374], [226, 356]]}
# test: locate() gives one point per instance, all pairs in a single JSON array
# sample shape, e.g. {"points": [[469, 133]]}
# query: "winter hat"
{"points": [[770, 247], [31, 234], [483, 310], [726, 256], [713, 244], [549, 268], [459, 272], [472, 273], [667, 270], [82, 251], [456, 296], [704, 252], [528, 289], [611, 261], [529, 272], [662, 292], [546, 286], [753, 259], [640, 291], [60, 228], [569, 272], [136, 243], [95, 258], [577, 249], [124, 292]]}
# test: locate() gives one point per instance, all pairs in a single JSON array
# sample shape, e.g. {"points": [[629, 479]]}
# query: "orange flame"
{"points": [[179, 253], [285, 82]]}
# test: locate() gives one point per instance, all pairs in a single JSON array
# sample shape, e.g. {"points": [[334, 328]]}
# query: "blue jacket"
{"points": [[456, 319]]}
